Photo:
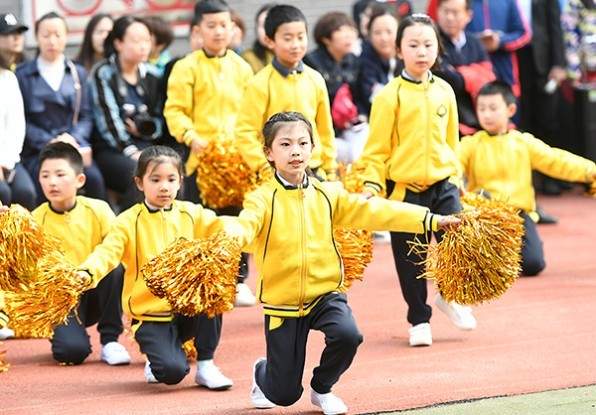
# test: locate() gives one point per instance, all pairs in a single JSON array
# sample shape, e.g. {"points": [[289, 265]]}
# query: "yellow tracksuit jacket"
{"points": [[291, 231], [271, 91], [137, 236], [413, 137], [502, 165], [80, 229], [204, 96]]}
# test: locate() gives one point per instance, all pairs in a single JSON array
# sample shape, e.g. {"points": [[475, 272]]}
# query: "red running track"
{"points": [[540, 335]]}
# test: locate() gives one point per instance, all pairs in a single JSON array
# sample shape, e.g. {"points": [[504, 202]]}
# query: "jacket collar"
{"points": [[406, 77], [285, 72], [288, 186], [152, 209]]}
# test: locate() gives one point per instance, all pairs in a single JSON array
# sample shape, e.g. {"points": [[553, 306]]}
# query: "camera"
{"points": [[143, 121]]}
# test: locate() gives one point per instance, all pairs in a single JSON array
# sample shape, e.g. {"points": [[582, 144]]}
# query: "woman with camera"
{"points": [[56, 102], [126, 105]]}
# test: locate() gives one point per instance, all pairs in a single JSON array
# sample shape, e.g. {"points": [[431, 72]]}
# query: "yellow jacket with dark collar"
{"points": [[204, 97], [80, 229], [137, 236], [413, 136], [291, 232], [502, 165], [274, 89]]}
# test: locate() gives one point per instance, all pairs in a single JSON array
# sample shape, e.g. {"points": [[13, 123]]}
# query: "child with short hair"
{"points": [[204, 94], [499, 160], [287, 85], [289, 221], [80, 224], [137, 236], [411, 155]]}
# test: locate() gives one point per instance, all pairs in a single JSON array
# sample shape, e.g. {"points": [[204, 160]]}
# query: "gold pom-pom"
{"points": [[189, 350], [43, 304], [196, 277], [355, 246], [479, 260], [223, 177], [22, 243]]}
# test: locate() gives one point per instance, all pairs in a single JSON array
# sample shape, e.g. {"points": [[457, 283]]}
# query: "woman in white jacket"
{"points": [[15, 184]]}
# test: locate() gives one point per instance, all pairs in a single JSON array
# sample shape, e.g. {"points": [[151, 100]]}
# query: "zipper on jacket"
{"points": [[303, 253], [427, 138]]}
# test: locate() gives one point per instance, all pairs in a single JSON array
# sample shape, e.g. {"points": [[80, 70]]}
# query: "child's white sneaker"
{"points": [[114, 354], [149, 377], [461, 316], [258, 398], [244, 297], [209, 376], [328, 402], [420, 335], [6, 333]]}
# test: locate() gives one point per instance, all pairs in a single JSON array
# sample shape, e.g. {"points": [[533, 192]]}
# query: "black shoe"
{"points": [[544, 218]]}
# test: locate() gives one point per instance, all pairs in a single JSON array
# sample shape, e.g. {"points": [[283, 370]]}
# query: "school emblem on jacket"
{"points": [[441, 110]]}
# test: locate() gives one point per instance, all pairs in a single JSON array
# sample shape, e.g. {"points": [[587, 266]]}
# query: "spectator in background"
{"points": [[162, 37], [579, 26], [378, 61], [464, 62], [502, 30], [335, 34], [238, 33], [12, 40], [541, 69], [126, 105], [57, 105], [16, 185], [259, 55], [98, 28]]}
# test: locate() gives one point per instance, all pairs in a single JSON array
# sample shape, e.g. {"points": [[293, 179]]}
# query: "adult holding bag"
{"points": [[336, 34]]}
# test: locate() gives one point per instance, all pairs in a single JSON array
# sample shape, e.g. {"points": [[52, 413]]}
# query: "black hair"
{"points": [[422, 19], [259, 49], [276, 121], [281, 14], [47, 16], [378, 10], [157, 155], [330, 23], [204, 7], [498, 88], [468, 4], [119, 31], [163, 33], [86, 56], [63, 151]]}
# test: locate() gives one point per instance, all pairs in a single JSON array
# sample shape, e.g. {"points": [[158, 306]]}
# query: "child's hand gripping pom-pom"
{"points": [[47, 301], [223, 177], [22, 243], [196, 277], [479, 259], [355, 246]]}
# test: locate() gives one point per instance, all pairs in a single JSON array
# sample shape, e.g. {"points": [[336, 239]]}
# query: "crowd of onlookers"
{"points": [[108, 101]]}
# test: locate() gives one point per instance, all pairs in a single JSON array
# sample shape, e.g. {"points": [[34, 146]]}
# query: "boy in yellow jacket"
{"points": [[287, 84], [289, 222], [204, 95], [80, 224], [500, 160]]}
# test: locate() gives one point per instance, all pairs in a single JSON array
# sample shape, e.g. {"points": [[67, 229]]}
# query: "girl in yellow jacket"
{"points": [[289, 222], [499, 161], [411, 156], [137, 236]]}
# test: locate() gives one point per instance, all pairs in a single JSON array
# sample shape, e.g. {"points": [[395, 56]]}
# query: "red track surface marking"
{"points": [[539, 336]]}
